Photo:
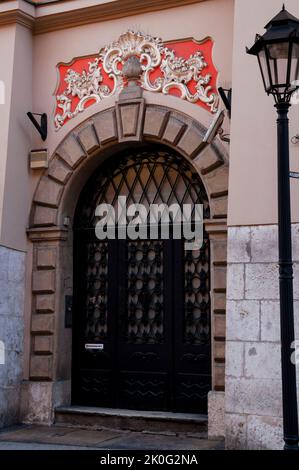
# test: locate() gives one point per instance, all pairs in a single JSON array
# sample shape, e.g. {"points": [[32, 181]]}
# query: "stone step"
{"points": [[147, 421]]}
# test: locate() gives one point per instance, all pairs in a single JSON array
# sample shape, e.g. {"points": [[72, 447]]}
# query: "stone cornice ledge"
{"points": [[82, 16], [41, 234], [17, 17], [216, 226]]}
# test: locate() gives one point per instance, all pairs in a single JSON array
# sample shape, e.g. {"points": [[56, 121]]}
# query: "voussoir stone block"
{"points": [[58, 170], [42, 323], [48, 192], [174, 130], [218, 207], [43, 282], [105, 126], [46, 258], [71, 151], [154, 122], [190, 141], [129, 116], [207, 160], [217, 181], [41, 367], [130, 119], [45, 303], [88, 138], [44, 216]]}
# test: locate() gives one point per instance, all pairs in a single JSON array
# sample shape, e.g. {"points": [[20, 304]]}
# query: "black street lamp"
{"points": [[278, 56]]}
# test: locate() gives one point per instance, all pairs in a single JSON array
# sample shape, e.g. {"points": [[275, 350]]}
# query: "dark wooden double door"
{"points": [[141, 324]]}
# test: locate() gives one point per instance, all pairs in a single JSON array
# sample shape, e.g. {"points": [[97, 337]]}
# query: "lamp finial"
{"points": [[283, 7]]}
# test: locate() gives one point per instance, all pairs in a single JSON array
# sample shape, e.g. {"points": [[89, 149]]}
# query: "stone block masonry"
{"points": [[253, 402], [12, 289]]}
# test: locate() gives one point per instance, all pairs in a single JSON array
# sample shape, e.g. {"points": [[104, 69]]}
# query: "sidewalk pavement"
{"points": [[29, 437]]}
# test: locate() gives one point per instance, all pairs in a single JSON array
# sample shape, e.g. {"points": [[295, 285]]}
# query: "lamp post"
{"points": [[278, 56]]}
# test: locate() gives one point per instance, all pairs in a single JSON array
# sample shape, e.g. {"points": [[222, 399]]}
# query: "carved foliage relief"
{"points": [[182, 68]]}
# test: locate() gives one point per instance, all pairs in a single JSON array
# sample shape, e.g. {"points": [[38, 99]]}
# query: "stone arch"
{"points": [[131, 120]]}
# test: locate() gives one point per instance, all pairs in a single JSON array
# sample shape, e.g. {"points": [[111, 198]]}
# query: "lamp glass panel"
{"points": [[294, 77], [278, 61], [264, 68]]}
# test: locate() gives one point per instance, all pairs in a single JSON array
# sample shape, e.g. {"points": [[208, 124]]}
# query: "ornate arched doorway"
{"points": [[50, 232], [141, 330]]}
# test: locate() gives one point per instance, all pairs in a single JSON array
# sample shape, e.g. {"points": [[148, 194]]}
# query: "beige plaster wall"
{"points": [[210, 18], [7, 41], [16, 196], [252, 183]]}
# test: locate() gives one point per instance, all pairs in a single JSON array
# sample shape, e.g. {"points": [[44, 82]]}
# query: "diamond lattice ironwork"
{"points": [[144, 177]]}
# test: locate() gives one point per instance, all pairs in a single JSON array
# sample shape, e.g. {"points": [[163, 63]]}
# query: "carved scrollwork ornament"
{"points": [[176, 73]]}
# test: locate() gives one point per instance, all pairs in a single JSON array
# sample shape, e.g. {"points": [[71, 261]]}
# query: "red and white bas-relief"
{"points": [[182, 68]]}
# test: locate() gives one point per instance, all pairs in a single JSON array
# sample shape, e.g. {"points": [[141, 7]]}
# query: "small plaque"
{"points": [[39, 159], [98, 347]]}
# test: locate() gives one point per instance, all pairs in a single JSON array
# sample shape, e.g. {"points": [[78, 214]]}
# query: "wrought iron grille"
{"points": [[96, 291], [148, 177], [145, 292], [145, 177], [197, 299]]}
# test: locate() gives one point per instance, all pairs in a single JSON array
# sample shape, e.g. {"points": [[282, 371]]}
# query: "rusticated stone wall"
{"points": [[12, 279], [253, 367]]}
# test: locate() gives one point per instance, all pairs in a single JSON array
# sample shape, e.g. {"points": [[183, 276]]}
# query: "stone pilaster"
{"points": [[217, 231]]}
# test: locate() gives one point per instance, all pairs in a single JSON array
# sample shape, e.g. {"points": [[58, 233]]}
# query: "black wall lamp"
{"points": [[226, 96], [41, 127]]}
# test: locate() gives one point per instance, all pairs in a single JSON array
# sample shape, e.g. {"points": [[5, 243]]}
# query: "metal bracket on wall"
{"points": [[293, 174], [226, 96], [41, 127]]}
